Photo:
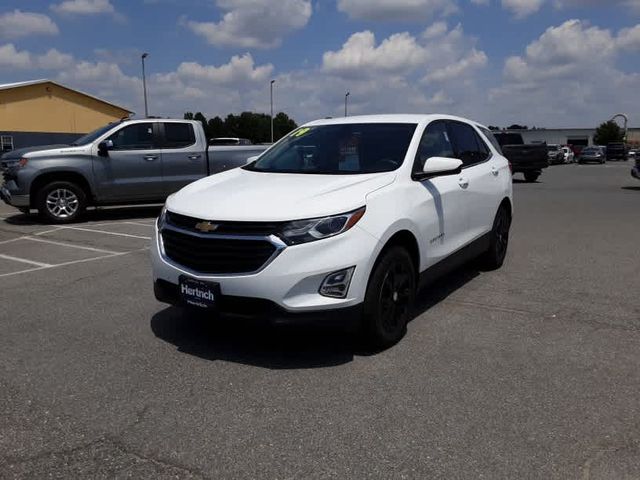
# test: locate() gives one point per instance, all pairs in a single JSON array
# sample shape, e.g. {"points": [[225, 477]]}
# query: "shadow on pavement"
{"points": [[637, 189], [104, 214], [282, 347], [520, 180]]}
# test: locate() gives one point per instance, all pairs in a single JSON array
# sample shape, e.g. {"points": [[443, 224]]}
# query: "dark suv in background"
{"points": [[617, 151]]}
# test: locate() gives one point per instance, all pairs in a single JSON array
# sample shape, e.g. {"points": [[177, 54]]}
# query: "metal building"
{"points": [[42, 112], [570, 136]]}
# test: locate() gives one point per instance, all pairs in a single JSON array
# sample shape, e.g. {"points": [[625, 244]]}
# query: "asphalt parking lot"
{"points": [[532, 371]]}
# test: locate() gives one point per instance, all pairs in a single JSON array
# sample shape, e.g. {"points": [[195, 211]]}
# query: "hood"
{"points": [[242, 195], [20, 152]]}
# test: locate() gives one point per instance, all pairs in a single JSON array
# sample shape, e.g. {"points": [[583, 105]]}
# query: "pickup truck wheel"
{"points": [[389, 299], [494, 257], [61, 202], [531, 176]]}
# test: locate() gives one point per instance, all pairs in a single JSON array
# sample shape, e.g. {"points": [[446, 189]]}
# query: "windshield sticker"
{"points": [[301, 132]]}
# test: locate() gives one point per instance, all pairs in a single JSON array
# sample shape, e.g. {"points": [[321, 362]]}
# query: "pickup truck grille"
{"points": [[262, 229], [210, 255]]}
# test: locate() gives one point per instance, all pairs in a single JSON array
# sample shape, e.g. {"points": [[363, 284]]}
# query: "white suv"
{"points": [[342, 217]]}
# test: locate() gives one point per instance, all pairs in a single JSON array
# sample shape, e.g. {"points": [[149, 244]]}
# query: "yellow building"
{"points": [[43, 112]]}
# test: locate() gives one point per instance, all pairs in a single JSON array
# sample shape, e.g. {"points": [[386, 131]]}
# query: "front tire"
{"points": [[61, 202], [494, 257], [531, 176], [389, 299]]}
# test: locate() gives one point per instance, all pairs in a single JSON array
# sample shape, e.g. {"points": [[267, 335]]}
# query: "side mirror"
{"points": [[439, 166], [104, 147], [252, 159]]}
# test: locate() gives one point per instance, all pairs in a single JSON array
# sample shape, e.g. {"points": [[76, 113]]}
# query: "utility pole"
{"points": [[144, 86], [272, 82], [346, 99]]}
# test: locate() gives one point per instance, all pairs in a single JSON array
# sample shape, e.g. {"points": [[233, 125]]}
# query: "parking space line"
{"points": [[48, 231], [85, 260], [108, 233], [70, 245], [23, 260], [141, 224], [11, 240]]}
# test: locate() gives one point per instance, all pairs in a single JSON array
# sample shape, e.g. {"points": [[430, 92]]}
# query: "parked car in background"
{"points": [[632, 154], [340, 219], [133, 161], [568, 155], [230, 141], [617, 151], [592, 155], [528, 159], [555, 154], [635, 171]]}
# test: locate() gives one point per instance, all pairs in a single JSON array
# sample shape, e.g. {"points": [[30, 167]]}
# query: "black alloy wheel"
{"points": [[389, 298]]}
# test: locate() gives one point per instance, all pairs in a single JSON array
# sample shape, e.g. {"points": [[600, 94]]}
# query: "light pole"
{"points": [[272, 82], [346, 99], [144, 86]]}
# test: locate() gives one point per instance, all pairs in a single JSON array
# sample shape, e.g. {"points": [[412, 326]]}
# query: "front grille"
{"points": [[260, 229], [211, 255]]}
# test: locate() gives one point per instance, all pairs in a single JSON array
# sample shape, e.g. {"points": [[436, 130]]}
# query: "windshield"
{"points": [[552, 148], [90, 137], [339, 149]]}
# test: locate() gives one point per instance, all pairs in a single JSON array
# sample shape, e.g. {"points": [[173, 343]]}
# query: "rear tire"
{"points": [[531, 177], [61, 202], [494, 257], [389, 300]]}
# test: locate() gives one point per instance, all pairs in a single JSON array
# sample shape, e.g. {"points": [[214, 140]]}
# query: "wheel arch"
{"points": [[405, 239], [59, 176]]}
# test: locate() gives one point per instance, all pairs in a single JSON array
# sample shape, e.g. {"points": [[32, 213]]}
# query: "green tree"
{"points": [[282, 125], [608, 132], [215, 128], [188, 115], [202, 119]]}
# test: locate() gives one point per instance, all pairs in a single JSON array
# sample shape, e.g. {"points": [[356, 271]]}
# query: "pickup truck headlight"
{"points": [[17, 163], [303, 231]]}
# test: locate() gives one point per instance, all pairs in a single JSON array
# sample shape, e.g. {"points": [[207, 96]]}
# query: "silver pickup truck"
{"points": [[133, 161]]}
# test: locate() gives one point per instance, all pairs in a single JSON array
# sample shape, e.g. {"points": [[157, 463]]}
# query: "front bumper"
{"points": [[13, 199], [291, 281]]}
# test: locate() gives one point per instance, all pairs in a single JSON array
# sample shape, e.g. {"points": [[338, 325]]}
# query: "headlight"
{"points": [[19, 163], [162, 217], [303, 231]]}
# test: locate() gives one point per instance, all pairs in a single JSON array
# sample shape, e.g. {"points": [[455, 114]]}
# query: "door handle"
{"points": [[150, 158], [194, 157], [495, 171], [463, 182]]}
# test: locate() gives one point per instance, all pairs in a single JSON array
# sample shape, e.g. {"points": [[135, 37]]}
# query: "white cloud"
{"points": [[359, 56], [10, 57], [572, 65], [254, 23], [629, 38], [24, 60], [84, 7], [522, 8], [19, 24], [411, 10], [438, 55]]}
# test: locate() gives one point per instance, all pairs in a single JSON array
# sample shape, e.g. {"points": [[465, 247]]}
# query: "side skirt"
{"points": [[455, 260]]}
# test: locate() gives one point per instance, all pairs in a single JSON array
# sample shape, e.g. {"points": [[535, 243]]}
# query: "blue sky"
{"points": [[538, 62]]}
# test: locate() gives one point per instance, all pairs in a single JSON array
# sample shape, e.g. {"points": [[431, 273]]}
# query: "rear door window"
{"points": [[178, 135]]}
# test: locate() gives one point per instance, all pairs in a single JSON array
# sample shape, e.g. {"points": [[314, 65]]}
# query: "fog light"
{"points": [[336, 284]]}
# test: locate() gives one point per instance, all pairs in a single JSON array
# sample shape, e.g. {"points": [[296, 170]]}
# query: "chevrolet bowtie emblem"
{"points": [[206, 227]]}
